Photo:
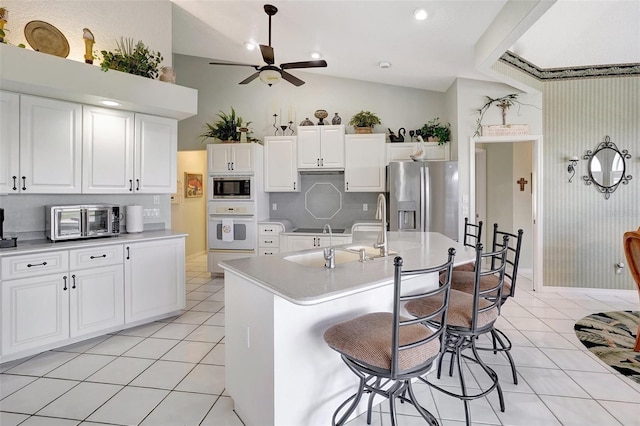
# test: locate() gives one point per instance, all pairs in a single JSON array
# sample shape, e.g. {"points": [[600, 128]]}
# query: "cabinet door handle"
{"points": [[347, 186], [232, 165], [15, 178], [318, 162], [268, 241], [73, 277], [229, 166], [130, 185], [30, 265], [137, 184], [128, 257], [24, 183], [97, 257], [294, 186], [65, 283], [322, 162]]}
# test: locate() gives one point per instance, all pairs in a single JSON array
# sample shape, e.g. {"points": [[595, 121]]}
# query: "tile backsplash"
{"points": [[24, 213], [322, 200]]}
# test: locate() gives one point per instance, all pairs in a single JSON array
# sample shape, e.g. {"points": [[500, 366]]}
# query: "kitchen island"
{"points": [[279, 371]]}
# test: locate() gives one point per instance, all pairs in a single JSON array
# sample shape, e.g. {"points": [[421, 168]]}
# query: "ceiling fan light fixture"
{"points": [[249, 45], [316, 55], [270, 76], [420, 14]]}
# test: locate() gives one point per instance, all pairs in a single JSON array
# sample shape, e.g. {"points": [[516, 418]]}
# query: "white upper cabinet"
{"points": [[280, 164], [321, 147], [155, 154], [107, 154], [50, 146], [364, 169], [230, 158], [9, 141]]}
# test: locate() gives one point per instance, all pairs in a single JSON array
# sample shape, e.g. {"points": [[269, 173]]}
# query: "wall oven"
{"points": [[230, 187], [70, 222], [232, 226]]}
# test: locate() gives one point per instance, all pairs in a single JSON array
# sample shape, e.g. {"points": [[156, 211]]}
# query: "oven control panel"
{"points": [[228, 208]]}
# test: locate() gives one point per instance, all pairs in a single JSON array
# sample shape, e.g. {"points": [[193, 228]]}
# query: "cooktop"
{"points": [[319, 230]]}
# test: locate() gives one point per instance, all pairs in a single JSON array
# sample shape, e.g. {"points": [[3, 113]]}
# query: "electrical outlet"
{"points": [[365, 207], [156, 199], [274, 206]]}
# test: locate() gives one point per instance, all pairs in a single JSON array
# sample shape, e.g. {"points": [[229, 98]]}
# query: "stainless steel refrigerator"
{"points": [[423, 196]]}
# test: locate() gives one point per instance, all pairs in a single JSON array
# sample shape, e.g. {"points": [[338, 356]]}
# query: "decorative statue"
{"points": [[87, 35]]}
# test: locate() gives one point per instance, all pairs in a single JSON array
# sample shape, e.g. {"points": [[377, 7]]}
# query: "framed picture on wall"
{"points": [[192, 185]]}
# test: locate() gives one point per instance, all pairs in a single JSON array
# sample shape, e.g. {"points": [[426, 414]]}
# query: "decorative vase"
{"points": [[168, 75], [306, 122], [364, 130], [336, 119], [321, 115]]}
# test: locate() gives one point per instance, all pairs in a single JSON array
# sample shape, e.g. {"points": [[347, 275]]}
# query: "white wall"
{"points": [[218, 90], [145, 20]]}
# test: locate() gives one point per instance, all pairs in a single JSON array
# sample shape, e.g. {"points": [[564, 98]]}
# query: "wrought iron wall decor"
{"points": [[606, 167]]}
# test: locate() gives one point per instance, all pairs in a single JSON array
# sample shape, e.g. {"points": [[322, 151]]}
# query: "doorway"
{"points": [[523, 194]]}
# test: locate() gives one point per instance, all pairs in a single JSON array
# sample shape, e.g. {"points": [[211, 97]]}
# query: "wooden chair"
{"points": [[387, 350], [632, 252]]}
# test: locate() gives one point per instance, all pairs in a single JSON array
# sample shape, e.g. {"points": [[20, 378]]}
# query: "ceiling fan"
{"points": [[269, 73]]}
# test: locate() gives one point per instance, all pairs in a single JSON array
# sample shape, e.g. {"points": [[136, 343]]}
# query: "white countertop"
{"points": [[304, 285], [44, 245]]}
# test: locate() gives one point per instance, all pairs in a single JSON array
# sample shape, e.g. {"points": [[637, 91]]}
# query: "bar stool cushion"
{"points": [[367, 339], [459, 310], [466, 267], [465, 281]]}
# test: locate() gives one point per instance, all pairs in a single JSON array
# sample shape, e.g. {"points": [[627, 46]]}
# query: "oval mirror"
{"points": [[606, 167]]}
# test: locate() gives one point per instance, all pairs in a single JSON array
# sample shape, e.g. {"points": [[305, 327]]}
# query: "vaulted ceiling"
{"points": [[355, 36]]}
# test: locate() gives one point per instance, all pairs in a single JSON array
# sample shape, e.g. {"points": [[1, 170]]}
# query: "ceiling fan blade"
{"points": [[234, 63], [250, 78], [305, 64], [292, 79], [267, 54]]}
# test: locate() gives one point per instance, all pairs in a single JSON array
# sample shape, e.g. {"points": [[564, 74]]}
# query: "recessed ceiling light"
{"points": [[250, 45], [110, 103], [316, 55], [384, 64], [420, 14]]}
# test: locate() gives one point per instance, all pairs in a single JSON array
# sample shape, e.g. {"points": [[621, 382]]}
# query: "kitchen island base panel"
{"points": [[279, 370]]}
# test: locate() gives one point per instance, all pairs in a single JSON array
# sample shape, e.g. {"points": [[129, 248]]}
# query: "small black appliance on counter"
{"points": [[6, 242]]}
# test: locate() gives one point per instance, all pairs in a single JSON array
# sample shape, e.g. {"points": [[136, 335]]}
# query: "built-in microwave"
{"points": [[230, 187], [70, 222]]}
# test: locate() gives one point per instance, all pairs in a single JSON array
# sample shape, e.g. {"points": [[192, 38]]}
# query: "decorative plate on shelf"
{"points": [[44, 37]]}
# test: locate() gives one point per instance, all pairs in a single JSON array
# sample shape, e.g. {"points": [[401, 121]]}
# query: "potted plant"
{"points": [[434, 131], [226, 129], [132, 58], [364, 121]]}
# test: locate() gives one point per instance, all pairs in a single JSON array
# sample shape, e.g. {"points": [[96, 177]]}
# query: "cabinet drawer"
{"points": [[268, 251], [32, 265], [269, 229], [96, 256], [269, 241]]}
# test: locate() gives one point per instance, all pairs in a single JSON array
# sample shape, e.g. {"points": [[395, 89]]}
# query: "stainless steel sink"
{"points": [[343, 255]]}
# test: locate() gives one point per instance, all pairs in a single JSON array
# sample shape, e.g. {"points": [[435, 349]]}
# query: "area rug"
{"points": [[611, 336]]}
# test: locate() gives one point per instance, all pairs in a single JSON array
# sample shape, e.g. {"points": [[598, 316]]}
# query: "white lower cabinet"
{"points": [[154, 278], [35, 312], [269, 238], [97, 299], [307, 242], [52, 298]]}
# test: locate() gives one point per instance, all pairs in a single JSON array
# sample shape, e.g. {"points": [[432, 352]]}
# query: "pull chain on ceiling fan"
{"points": [[270, 73]]}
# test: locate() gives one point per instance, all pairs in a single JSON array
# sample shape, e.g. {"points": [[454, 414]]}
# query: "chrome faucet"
{"points": [[381, 214], [329, 252]]}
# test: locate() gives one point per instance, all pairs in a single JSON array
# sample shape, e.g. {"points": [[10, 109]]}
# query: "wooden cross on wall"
{"points": [[522, 182]]}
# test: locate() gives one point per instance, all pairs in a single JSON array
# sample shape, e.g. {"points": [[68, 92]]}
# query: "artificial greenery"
{"points": [[504, 102], [435, 129], [226, 128], [132, 58], [364, 119]]}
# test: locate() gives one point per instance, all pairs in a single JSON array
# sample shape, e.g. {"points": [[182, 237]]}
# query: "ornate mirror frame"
{"points": [[595, 166]]}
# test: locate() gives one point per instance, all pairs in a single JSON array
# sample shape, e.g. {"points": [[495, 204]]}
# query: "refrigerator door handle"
{"points": [[423, 200]]}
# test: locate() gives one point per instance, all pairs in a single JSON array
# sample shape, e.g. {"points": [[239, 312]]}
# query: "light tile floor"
{"points": [[172, 372]]}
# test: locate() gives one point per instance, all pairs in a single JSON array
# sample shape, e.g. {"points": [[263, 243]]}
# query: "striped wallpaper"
{"points": [[582, 230]]}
